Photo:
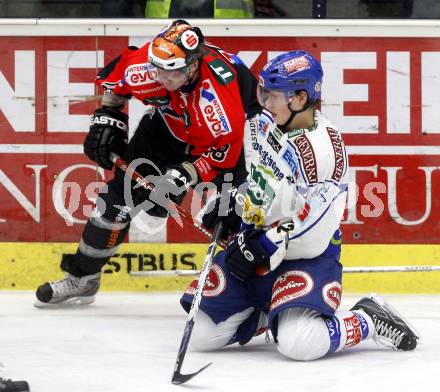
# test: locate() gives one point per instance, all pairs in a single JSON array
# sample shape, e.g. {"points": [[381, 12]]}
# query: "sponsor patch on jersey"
{"points": [[252, 214], [277, 133], [223, 72], [273, 142], [138, 74], [354, 332], [215, 283], [296, 65], [263, 127], [212, 110], [305, 149], [252, 125], [290, 158], [331, 294], [290, 286], [269, 162], [295, 132], [338, 149]]}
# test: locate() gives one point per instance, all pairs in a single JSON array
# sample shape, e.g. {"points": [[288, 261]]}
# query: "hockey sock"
{"points": [[347, 329]]}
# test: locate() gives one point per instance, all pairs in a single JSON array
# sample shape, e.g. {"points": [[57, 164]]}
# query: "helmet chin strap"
{"points": [[293, 113]]}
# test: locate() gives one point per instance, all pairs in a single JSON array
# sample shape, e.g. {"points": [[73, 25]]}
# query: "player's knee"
{"points": [[302, 336], [205, 335]]}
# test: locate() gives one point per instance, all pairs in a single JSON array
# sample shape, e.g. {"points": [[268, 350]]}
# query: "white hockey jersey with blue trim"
{"points": [[301, 174]]}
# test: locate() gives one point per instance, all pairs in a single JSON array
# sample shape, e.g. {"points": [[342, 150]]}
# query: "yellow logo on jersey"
{"points": [[252, 214]]}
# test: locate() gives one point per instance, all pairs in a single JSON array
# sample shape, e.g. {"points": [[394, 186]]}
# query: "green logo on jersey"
{"points": [[259, 191], [295, 132], [277, 133], [223, 72]]}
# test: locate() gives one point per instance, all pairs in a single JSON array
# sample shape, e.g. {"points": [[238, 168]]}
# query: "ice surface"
{"points": [[128, 343]]}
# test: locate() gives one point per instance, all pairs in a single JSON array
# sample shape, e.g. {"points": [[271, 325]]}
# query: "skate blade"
{"points": [[68, 303], [381, 301]]}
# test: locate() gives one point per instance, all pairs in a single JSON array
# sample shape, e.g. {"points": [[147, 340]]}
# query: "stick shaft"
{"points": [[185, 215], [197, 297], [346, 270]]}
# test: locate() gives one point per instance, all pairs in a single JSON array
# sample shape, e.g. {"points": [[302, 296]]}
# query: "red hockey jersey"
{"points": [[208, 115]]}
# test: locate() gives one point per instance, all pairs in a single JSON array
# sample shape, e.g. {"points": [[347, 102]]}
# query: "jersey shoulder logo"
{"points": [[308, 158], [338, 149], [138, 74]]}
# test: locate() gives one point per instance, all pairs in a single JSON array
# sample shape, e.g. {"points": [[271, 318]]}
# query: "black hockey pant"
{"points": [[105, 231]]}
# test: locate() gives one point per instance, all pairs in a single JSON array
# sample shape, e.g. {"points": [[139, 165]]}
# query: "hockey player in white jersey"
{"points": [[282, 271]]}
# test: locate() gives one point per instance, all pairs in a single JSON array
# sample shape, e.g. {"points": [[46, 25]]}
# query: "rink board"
{"points": [[23, 266]]}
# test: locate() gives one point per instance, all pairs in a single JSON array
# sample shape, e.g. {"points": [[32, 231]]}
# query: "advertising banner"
{"points": [[383, 93]]}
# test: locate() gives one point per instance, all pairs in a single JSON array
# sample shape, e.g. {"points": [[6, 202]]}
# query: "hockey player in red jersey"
{"points": [[282, 271], [199, 98]]}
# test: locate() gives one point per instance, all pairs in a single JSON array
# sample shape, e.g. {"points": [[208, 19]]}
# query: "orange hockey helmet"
{"points": [[177, 46]]}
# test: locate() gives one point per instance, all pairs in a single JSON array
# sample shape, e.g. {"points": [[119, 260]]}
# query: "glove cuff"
{"points": [[193, 176]]}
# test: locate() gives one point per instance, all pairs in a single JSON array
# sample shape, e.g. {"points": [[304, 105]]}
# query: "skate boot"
{"points": [[13, 386], [68, 291], [391, 328]]}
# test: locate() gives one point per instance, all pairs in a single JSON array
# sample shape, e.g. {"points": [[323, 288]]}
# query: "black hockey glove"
{"points": [[226, 207], [172, 187], [108, 133], [246, 253]]}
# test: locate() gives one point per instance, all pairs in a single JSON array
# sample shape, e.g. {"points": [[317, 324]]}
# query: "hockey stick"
{"points": [[185, 215], [179, 378], [346, 270]]}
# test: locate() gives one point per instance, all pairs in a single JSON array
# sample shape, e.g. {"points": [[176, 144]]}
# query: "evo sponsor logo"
{"points": [[215, 283], [212, 110], [290, 286], [138, 74], [331, 294]]}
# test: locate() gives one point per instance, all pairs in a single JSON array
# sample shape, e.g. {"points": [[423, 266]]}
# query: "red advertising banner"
{"points": [[381, 92]]}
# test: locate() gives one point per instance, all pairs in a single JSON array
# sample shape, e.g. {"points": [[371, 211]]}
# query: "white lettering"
{"points": [[18, 105], [398, 92], [33, 211], [336, 92], [430, 92], [392, 195], [60, 92]]}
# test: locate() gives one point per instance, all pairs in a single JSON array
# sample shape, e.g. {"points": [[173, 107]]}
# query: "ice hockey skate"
{"points": [[7, 385], [69, 291], [391, 329]]}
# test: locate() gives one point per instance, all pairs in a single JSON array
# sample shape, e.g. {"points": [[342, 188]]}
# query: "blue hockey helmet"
{"points": [[290, 72]]}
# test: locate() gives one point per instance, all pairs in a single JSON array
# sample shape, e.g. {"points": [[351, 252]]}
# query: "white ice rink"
{"points": [[128, 343]]}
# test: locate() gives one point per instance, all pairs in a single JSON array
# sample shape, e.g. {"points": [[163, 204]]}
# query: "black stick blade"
{"points": [[179, 378]]}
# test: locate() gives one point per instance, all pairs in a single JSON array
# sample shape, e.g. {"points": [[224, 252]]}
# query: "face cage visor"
{"points": [[270, 98]]}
